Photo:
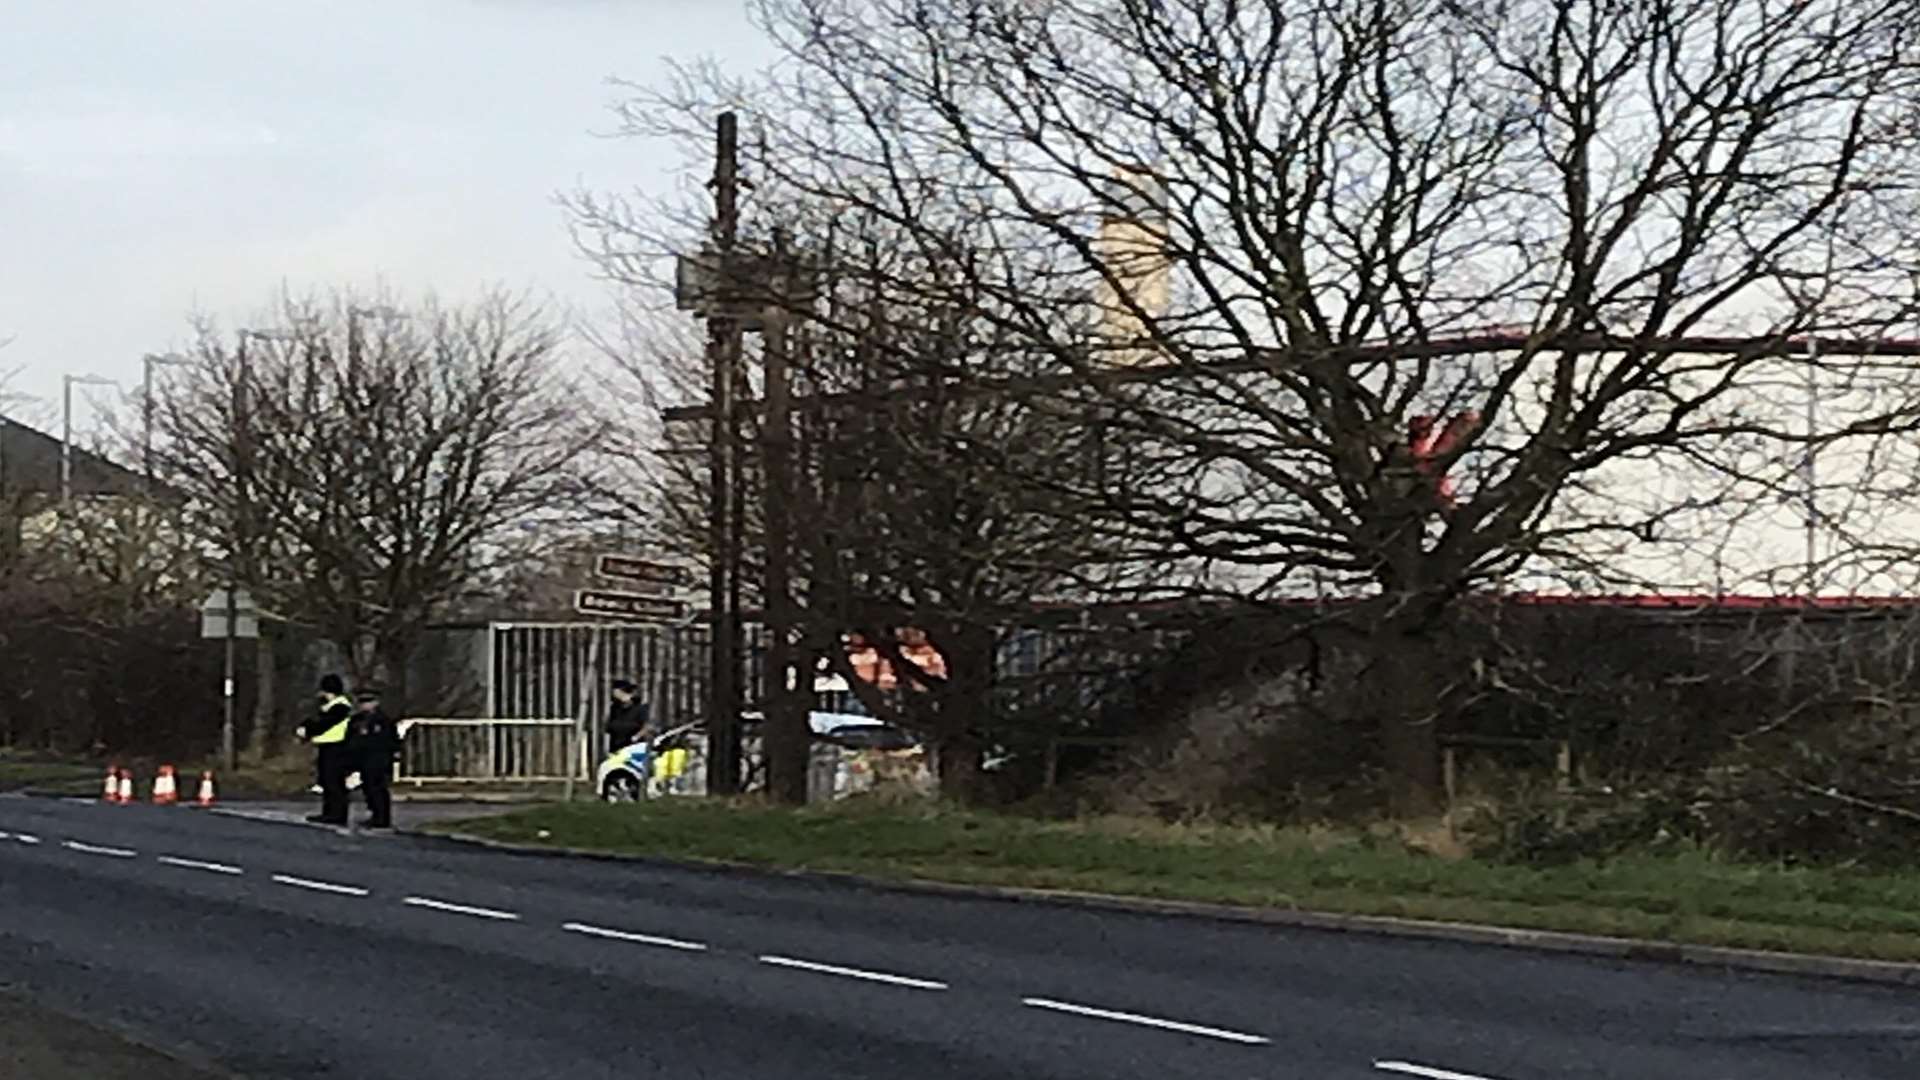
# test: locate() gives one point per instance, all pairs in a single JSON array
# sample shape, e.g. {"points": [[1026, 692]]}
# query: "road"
{"points": [[277, 950]]}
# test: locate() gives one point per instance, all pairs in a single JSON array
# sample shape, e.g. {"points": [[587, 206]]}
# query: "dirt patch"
{"points": [[38, 1044]]}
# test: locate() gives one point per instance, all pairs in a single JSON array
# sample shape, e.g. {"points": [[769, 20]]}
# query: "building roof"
{"points": [[1685, 605], [30, 462]]}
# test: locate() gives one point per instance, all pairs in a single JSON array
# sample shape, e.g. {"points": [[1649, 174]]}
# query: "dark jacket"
{"points": [[626, 722], [373, 733]]}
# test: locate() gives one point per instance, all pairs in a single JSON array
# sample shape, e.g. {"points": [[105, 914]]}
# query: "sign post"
{"points": [[229, 614], [583, 740]]}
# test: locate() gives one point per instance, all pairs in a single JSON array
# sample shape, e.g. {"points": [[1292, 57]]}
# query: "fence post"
{"points": [[1563, 781], [582, 762], [1449, 772]]}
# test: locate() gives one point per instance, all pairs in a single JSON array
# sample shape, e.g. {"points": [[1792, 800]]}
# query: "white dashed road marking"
{"points": [[1425, 1072], [195, 864], [89, 849], [26, 838], [460, 909], [319, 886], [853, 973], [638, 939], [1147, 1021]]}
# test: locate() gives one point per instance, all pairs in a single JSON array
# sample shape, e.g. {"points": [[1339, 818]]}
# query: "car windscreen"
{"points": [[870, 737]]}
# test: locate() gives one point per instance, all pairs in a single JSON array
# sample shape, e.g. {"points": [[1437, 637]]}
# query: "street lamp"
{"points": [[354, 314], [377, 311], [148, 363], [241, 535], [68, 382], [1812, 495], [241, 432]]}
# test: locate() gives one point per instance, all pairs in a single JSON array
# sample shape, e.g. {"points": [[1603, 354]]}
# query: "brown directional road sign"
{"points": [[628, 568], [627, 605]]}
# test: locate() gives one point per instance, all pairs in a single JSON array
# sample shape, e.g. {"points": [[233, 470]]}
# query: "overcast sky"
{"points": [[159, 157]]}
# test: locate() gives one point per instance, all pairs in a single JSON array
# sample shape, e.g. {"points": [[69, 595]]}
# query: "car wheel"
{"points": [[620, 788]]}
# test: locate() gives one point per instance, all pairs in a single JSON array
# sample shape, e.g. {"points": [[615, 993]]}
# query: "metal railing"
{"points": [[480, 751]]}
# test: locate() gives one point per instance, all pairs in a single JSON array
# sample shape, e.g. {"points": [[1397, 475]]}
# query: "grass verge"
{"points": [[52, 775], [1691, 897]]}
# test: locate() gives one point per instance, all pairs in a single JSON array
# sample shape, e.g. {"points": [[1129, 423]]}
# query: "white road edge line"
{"points": [[853, 973], [1149, 1021], [82, 802], [195, 864], [1425, 1072], [319, 886], [460, 909], [638, 939], [89, 849]]}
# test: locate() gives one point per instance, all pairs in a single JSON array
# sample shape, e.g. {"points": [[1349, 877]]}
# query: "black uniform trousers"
{"points": [[376, 786], [335, 763]]}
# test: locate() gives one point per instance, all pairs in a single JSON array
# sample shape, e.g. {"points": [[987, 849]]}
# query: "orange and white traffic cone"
{"points": [[125, 795], [206, 790], [111, 793], [166, 790]]}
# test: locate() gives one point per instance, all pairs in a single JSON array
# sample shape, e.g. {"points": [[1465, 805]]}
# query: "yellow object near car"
{"points": [[670, 764]]}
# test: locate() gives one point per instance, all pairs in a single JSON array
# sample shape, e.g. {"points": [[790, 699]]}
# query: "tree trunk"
{"points": [[390, 676], [265, 734], [788, 734], [1405, 685], [957, 756], [962, 711]]}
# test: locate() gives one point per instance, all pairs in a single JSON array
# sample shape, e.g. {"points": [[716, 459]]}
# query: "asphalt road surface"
{"points": [[275, 950]]}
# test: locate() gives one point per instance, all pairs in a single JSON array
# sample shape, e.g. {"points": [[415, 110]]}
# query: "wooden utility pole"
{"points": [[788, 689], [239, 559], [723, 459]]}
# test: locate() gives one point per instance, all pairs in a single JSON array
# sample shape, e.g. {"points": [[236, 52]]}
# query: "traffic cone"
{"points": [[125, 795], [111, 793], [166, 790], [206, 790]]}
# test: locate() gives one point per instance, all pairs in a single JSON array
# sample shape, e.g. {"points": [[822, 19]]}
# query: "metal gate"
{"points": [[468, 751], [565, 670]]}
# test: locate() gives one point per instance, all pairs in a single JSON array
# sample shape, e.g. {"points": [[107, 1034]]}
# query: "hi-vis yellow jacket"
{"points": [[336, 713]]}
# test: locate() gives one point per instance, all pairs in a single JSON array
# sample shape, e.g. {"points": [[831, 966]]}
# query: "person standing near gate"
{"points": [[627, 719], [327, 731], [374, 742]]}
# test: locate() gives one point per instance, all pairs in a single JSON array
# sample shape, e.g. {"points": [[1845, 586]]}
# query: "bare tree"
{"points": [[1547, 245], [363, 466], [909, 531], [916, 531], [96, 597]]}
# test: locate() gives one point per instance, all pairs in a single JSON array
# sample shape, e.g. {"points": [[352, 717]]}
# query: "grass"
{"points": [[1692, 896], [23, 772], [46, 774], [288, 776]]}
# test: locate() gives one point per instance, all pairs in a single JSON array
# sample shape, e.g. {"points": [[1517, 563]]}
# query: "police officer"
{"points": [[374, 743], [628, 718], [327, 731]]}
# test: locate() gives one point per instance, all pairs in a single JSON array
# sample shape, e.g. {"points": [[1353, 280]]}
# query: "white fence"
{"points": [[490, 751]]}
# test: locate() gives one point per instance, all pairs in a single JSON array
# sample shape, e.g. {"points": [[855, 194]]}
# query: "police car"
{"points": [[671, 763]]}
